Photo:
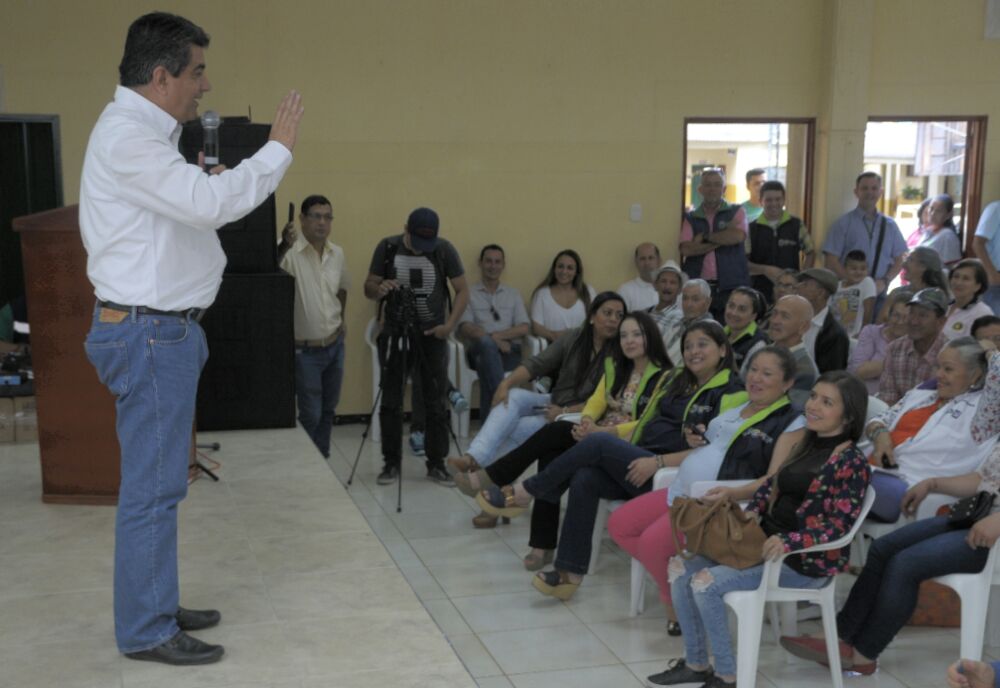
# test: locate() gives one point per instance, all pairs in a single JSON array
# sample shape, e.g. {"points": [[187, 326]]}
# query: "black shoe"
{"points": [[439, 475], [673, 628], [716, 682], [181, 650], [196, 619], [678, 672], [389, 475]]}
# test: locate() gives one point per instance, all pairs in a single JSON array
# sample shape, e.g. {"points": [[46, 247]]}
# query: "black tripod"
{"points": [[397, 344]]}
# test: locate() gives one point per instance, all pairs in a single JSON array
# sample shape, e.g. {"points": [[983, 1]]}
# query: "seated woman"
{"points": [[575, 361], [868, 357], [744, 309], [968, 281], [627, 389], [931, 433], [795, 508], [562, 299], [737, 448], [885, 594]]}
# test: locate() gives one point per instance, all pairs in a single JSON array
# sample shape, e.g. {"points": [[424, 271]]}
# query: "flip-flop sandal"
{"points": [[551, 583], [499, 501]]}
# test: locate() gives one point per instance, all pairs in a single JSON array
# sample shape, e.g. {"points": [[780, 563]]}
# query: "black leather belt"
{"points": [[188, 313]]}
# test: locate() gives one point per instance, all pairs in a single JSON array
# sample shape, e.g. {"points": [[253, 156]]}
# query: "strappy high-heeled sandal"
{"points": [[463, 481], [499, 501], [554, 584]]}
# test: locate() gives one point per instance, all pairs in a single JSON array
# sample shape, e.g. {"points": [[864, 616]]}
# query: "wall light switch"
{"points": [[635, 212]]}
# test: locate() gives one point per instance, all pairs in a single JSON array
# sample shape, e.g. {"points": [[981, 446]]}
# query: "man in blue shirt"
{"points": [[986, 244], [863, 229]]}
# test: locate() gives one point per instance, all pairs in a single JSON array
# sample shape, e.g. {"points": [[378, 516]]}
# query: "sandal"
{"points": [[463, 464], [485, 520], [554, 584], [463, 480], [499, 501], [534, 562]]}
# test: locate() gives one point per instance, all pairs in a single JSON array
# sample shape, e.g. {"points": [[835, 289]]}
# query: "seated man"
{"points": [[696, 297], [639, 293], [791, 318], [911, 359], [667, 312], [826, 339], [986, 327], [492, 326]]}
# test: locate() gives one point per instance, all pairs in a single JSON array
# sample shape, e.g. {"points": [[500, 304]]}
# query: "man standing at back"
{"points": [[321, 284], [866, 229], [148, 221], [712, 242], [752, 206], [639, 293]]}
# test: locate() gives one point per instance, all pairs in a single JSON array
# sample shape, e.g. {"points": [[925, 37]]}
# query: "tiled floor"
{"points": [[307, 576]]}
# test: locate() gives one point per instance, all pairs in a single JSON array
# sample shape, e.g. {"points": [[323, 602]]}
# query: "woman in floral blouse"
{"points": [[815, 497], [885, 594]]}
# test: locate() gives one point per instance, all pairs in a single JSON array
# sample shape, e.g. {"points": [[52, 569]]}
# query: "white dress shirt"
{"points": [[639, 294], [317, 281], [148, 218]]}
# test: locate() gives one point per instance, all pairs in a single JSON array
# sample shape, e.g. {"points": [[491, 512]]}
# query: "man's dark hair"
{"points": [[315, 199], [856, 255], [655, 248], [772, 185], [983, 321], [755, 172], [155, 39], [867, 175], [491, 247]]}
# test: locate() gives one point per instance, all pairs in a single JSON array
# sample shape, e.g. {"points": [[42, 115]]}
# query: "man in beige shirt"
{"points": [[321, 284]]}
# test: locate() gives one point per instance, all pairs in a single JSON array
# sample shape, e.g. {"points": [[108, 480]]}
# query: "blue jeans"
{"points": [[885, 594], [151, 364], [701, 611], [509, 425], [592, 470], [992, 298], [319, 371], [485, 357]]}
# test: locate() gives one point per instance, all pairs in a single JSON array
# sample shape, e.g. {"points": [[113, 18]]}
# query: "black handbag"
{"points": [[965, 512]]}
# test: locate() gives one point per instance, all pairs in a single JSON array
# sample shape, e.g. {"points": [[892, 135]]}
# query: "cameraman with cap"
{"points": [[409, 274]]}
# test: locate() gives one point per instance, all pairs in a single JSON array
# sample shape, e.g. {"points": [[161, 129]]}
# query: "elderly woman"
{"points": [[868, 358], [816, 496], [968, 281], [931, 433], [885, 594]]}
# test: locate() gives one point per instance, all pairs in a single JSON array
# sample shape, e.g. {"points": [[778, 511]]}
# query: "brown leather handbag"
{"points": [[719, 530]]}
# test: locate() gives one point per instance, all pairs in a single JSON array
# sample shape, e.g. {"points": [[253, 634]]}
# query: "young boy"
{"points": [[854, 301]]}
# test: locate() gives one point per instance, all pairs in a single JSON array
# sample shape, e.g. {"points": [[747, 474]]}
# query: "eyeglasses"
{"points": [[320, 216]]}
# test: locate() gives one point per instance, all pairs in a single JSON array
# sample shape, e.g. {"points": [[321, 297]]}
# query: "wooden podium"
{"points": [[76, 413]]}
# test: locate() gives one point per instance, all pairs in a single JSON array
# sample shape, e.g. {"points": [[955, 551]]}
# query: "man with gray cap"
{"points": [[911, 359], [826, 341], [415, 267], [667, 312]]}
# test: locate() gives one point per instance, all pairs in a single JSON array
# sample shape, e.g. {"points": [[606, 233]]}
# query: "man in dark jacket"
{"points": [[826, 340]]}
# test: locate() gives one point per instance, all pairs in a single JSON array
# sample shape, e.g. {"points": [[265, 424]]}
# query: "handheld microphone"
{"points": [[210, 122]]}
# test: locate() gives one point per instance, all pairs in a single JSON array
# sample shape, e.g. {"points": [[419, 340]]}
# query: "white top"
{"points": [[639, 294], [148, 218], [317, 281], [945, 243], [959, 322], [849, 304], [550, 315], [815, 325]]}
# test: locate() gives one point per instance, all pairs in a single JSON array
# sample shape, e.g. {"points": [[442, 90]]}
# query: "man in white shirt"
{"points": [[696, 299], [321, 284], [639, 293], [148, 221]]}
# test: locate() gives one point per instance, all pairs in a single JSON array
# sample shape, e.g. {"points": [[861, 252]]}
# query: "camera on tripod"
{"points": [[401, 315]]}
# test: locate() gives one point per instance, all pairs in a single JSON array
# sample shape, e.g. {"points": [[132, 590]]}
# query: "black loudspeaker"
{"points": [[249, 379], [250, 243]]}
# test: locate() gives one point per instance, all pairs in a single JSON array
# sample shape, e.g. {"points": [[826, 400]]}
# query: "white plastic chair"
{"points": [[876, 529], [749, 607], [371, 334], [974, 592], [466, 377]]}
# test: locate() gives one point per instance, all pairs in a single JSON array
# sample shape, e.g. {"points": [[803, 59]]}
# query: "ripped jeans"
{"points": [[697, 587]]}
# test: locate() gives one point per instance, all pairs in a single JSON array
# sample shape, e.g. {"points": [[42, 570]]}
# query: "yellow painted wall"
{"points": [[532, 123]]}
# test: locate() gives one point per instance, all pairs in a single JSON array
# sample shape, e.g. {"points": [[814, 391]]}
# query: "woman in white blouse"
{"points": [[561, 301], [968, 281]]}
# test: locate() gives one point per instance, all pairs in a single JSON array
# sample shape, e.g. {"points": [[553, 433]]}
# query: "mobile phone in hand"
{"points": [[693, 429], [291, 211]]}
